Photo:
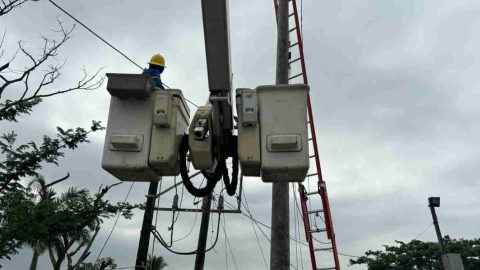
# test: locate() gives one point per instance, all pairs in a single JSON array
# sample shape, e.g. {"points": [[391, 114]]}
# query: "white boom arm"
{"points": [[217, 47]]}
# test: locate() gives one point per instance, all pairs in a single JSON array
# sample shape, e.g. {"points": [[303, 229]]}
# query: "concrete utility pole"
{"points": [[280, 246], [141, 262], [202, 237]]}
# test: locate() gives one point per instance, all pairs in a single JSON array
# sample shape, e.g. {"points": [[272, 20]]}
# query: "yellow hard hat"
{"points": [[158, 60]]}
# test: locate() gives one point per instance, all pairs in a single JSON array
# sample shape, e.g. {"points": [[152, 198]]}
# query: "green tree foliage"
{"points": [[17, 203], [65, 225], [156, 263], [421, 255], [101, 264], [27, 159]]}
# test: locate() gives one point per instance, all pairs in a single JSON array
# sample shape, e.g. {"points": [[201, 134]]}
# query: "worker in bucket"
{"points": [[155, 68]]}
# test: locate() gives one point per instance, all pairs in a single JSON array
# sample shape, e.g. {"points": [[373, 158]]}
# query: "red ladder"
{"points": [[322, 188]]}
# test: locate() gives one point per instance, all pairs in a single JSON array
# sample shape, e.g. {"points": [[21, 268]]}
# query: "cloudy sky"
{"points": [[393, 92]]}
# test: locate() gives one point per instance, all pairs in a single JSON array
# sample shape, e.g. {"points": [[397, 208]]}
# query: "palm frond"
{"points": [[37, 184], [74, 193]]}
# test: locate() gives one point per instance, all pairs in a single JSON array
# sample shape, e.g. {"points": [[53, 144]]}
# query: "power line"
{"points": [[106, 42], [156, 220], [161, 241], [113, 228], [295, 225], [423, 231], [259, 226], [231, 207], [297, 222], [191, 102], [348, 255], [191, 229], [90, 30], [211, 218], [228, 242], [301, 215], [256, 235], [121, 268]]}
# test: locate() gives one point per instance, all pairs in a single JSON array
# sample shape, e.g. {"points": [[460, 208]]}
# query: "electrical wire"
{"points": [[310, 204], [114, 224], [156, 220], [295, 224], [301, 20], [171, 231], [91, 31], [173, 220], [224, 228], [211, 218], [348, 255], [181, 198], [301, 256], [190, 232], [256, 221], [106, 42], [258, 240], [299, 212], [231, 207], [226, 254], [191, 102], [191, 229], [211, 180], [247, 207], [259, 227], [163, 243], [301, 215], [200, 199], [121, 268], [423, 231]]}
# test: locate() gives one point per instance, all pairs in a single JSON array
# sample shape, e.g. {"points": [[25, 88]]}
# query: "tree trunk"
{"points": [[33, 264], [57, 266]]}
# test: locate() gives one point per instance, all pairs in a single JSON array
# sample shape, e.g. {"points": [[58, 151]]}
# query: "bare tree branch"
{"points": [[50, 50], [7, 7], [52, 75], [86, 252], [71, 254], [9, 110], [52, 255], [1, 44], [59, 180], [26, 86], [4, 67], [63, 249]]}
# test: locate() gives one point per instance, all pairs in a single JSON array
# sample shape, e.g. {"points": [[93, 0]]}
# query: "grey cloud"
{"points": [[393, 91]]}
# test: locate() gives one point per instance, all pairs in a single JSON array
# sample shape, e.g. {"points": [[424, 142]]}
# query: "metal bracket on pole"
{"points": [[237, 211], [176, 185]]}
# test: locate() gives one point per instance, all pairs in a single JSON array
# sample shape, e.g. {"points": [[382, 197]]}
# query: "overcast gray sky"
{"points": [[394, 93]]}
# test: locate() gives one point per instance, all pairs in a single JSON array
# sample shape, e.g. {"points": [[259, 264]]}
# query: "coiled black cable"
{"points": [[159, 238], [231, 186], [211, 181]]}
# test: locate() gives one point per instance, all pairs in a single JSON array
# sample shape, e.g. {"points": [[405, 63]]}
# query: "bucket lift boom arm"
{"points": [[217, 47]]}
